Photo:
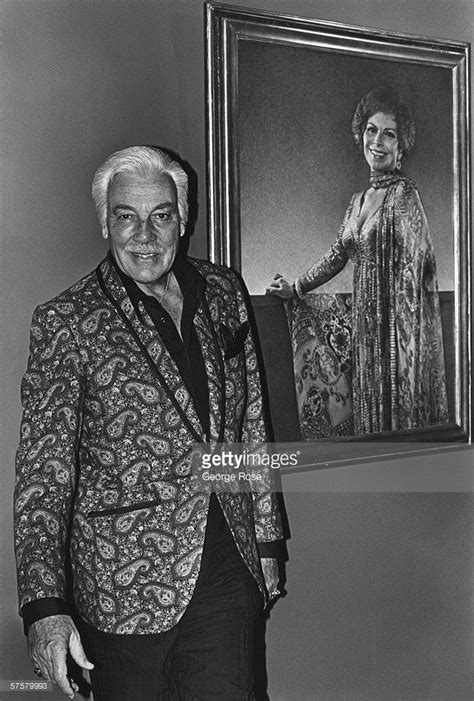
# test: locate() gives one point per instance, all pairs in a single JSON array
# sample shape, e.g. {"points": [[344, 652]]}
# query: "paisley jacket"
{"points": [[104, 462]]}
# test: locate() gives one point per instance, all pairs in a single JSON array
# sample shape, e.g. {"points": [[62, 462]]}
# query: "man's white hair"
{"points": [[144, 162]]}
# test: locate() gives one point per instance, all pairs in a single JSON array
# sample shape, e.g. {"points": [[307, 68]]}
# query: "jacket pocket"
{"points": [[233, 340], [124, 509]]}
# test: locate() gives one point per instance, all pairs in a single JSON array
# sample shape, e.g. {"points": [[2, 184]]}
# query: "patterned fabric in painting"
{"points": [[321, 341], [107, 437], [398, 361]]}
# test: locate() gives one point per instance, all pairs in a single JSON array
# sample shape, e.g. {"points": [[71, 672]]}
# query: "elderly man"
{"points": [[129, 369]]}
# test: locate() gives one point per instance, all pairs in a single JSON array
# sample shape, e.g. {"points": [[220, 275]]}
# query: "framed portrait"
{"points": [[283, 166]]}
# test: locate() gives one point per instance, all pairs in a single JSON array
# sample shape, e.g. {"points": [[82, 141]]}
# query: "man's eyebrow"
{"points": [[123, 206], [164, 205], [161, 205], [128, 208]]}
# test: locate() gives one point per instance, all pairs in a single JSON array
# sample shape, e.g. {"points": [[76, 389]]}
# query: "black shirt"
{"points": [[186, 353]]}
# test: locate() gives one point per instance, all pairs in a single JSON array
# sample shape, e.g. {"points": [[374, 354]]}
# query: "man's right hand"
{"points": [[49, 641]]}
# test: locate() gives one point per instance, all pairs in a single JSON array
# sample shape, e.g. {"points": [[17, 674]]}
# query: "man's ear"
{"points": [[105, 232]]}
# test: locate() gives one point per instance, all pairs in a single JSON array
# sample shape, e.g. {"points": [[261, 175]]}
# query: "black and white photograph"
{"points": [[237, 324]]}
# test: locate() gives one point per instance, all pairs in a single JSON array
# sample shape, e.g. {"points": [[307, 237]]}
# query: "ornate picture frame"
{"points": [[281, 91]]}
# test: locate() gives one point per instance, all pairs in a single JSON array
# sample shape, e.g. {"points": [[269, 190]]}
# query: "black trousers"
{"points": [[207, 655]]}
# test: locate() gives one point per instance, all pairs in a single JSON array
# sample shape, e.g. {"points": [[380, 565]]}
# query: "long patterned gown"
{"points": [[397, 349]]}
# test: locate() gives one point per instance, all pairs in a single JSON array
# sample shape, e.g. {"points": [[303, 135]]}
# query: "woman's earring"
{"points": [[399, 162]]}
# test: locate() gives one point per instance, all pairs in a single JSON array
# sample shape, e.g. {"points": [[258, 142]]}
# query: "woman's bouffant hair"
{"points": [[385, 99]]}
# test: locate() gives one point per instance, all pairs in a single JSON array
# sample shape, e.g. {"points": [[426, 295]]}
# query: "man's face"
{"points": [[143, 223]]}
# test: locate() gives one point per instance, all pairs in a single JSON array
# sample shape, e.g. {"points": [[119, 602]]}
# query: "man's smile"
{"points": [[143, 255]]}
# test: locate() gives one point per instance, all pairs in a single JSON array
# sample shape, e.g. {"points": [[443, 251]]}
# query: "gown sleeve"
{"points": [[329, 265]]}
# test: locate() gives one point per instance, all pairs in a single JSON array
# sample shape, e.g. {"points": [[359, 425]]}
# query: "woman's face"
{"points": [[380, 137]]}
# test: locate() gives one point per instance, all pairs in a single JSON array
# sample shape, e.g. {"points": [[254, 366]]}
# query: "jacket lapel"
{"points": [[213, 359], [154, 352]]}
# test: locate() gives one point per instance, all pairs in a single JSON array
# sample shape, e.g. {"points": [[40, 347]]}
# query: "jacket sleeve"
{"points": [[267, 517], [46, 457]]}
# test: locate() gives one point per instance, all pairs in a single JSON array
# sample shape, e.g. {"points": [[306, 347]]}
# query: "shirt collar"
{"points": [[190, 281]]}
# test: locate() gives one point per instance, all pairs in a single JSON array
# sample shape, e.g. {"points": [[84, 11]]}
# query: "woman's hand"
{"points": [[280, 287]]}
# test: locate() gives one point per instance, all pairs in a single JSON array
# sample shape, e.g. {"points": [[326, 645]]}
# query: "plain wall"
{"points": [[81, 78]]}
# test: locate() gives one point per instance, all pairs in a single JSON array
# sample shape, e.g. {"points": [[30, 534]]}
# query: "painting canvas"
{"points": [[283, 164]]}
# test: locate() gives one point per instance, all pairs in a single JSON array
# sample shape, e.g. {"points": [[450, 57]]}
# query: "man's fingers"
{"points": [[65, 686], [270, 573], [77, 651], [49, 640], [42, 662], [60, 671]]}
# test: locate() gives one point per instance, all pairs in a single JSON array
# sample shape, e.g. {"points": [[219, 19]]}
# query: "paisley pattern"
{"points": [[68, 415], [107, 603], [164, 596], [157, 446], [108, 371], [93, 322], [117, 428], [184, 567], [105, 448], [165, 490], [35, 491], [137, 472], [320, 332], [126, 576], [48, 520], [58, 388], [38, 447], [106, 549], [148, 394], [43, 574], [398, 378], [184, 513], [125, 524], [138, 623], [59, 337], [162, 542], [105, 457]]}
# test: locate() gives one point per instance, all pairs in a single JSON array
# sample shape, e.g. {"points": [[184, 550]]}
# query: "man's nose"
{"points": [[143, 232]]}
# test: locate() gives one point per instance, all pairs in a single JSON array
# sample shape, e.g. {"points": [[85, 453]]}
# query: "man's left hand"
{"points": [[271, 576]]}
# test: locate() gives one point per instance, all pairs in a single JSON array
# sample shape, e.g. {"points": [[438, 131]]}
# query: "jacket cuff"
{"points": [[41, 608], [276, 549]]}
